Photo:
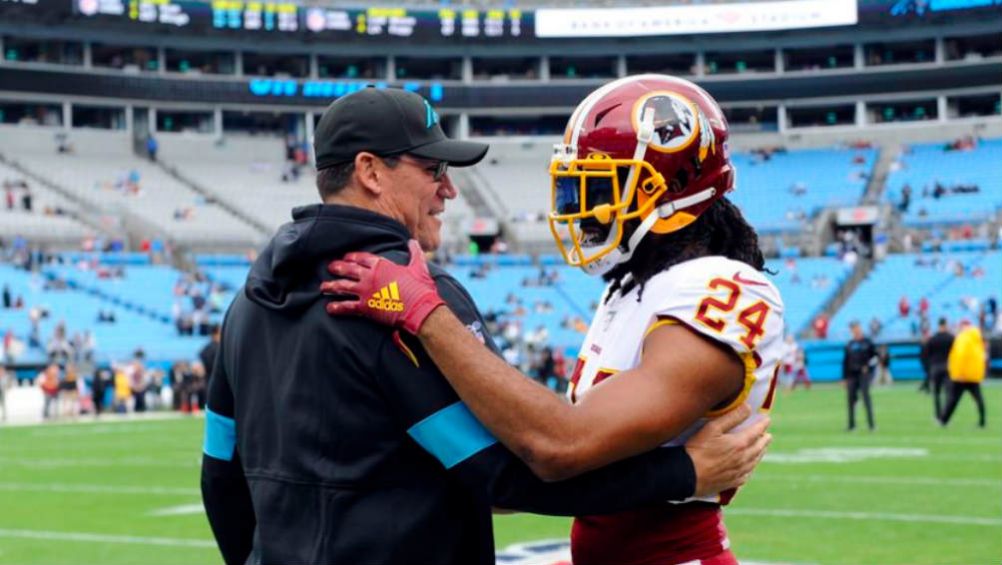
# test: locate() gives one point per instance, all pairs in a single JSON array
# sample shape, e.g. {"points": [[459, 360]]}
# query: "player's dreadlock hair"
{"points": [[720, 230]]}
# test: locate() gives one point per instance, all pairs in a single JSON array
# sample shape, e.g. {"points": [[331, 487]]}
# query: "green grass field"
{"points": [[911, 493]]}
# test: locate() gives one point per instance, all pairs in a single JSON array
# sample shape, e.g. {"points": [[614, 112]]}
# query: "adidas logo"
{"points": [[388, 299]]}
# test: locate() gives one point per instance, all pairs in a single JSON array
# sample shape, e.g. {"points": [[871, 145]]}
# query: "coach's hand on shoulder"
{"points": [[394, 295], [724, 458]]}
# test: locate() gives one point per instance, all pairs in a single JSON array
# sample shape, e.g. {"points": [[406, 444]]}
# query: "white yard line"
{"points": [[99, 489], [181, 510], [867, 516], [56, 462], [35, 421], [880, 480], [104, 538], [938, 439]]}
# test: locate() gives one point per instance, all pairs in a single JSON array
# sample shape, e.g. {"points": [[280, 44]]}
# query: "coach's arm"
{"points": [[224, 488]]}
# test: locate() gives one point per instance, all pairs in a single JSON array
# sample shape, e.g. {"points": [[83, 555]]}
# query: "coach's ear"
{"points": [[370, 173]]}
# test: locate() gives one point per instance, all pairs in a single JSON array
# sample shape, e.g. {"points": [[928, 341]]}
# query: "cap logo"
{"points": [[430, 115]]}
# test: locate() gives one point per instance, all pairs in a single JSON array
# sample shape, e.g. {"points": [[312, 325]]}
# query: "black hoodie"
{"points": [[337, 441]]}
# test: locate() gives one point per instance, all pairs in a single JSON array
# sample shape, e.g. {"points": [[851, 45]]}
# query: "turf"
{"points": [[910, 493]]}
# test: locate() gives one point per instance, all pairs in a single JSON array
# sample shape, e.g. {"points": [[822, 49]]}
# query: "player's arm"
{"points": [[224, 488], [442, 425], [682, 376]]}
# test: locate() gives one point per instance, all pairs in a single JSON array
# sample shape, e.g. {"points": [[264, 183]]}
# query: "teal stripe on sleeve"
{"points": [[220, 436], [452, 435]]}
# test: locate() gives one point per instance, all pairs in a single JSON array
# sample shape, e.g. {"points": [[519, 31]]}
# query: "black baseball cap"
{"points": [[387, 121]]}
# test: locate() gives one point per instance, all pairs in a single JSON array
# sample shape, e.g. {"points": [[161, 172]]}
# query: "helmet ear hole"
{"points": [[674, 186]]}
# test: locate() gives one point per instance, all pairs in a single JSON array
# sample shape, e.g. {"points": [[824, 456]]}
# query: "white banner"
{"points": [[713, 18]]}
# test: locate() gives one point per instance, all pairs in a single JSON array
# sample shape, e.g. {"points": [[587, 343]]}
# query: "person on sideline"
{"points": [[858, 363], [967, 365]]}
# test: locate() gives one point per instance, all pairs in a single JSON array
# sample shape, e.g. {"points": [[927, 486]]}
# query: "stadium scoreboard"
{"points": [[446, 24], [290, 18]]}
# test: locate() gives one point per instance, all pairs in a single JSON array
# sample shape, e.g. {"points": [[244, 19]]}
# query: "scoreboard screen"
{"points": [[252, 18], [322, 23]]}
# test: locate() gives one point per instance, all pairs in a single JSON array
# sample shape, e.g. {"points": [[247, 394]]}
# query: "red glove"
{"points": [[387, 293]]}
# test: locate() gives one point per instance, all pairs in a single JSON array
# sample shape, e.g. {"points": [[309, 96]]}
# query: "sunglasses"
{"points": [[438, 169]]}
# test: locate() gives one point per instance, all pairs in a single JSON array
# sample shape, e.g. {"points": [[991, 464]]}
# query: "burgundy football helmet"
{"points": [[648, 147]]}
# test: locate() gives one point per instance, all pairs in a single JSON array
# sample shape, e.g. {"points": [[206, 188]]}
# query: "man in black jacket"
{"points": [[337, 440], [858, 363], [937, 351]]}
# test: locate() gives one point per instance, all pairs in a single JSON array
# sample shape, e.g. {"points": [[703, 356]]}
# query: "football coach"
{"points": [[336, 440]]}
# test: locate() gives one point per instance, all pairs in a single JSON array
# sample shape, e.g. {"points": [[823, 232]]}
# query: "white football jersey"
{"points": [[725, 300]]}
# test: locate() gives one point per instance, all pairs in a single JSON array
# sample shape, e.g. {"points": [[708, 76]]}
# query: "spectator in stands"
{"points": [[906, 198], [26, 199], [966, 364], [821, 326], [7, 300], [545, 373], [59, 349], [8, 190], [875, 327], [151, 148], [923, 306], [48, 381], [937, 352], [200, 322], [858, 364], [904, 306]]}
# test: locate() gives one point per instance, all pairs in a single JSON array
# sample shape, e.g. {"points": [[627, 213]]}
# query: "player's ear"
{"points": [[369, 173]]}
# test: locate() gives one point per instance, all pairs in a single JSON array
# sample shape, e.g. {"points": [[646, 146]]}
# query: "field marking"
{"points": [[132, 418], [844, 454], [180, 510], [879, 516], [56, 462], [104, 538], [939, 439], [882, 480], [98, 489]]}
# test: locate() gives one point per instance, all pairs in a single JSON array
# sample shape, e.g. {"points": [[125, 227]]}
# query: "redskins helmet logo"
{"points": [[677, 122]]}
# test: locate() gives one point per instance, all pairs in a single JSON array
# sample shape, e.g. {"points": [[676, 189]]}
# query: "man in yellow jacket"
{"points": [[967, 364]]}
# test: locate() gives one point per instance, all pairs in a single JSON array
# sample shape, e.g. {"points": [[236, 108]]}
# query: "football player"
{"points": [[687, 329]]}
